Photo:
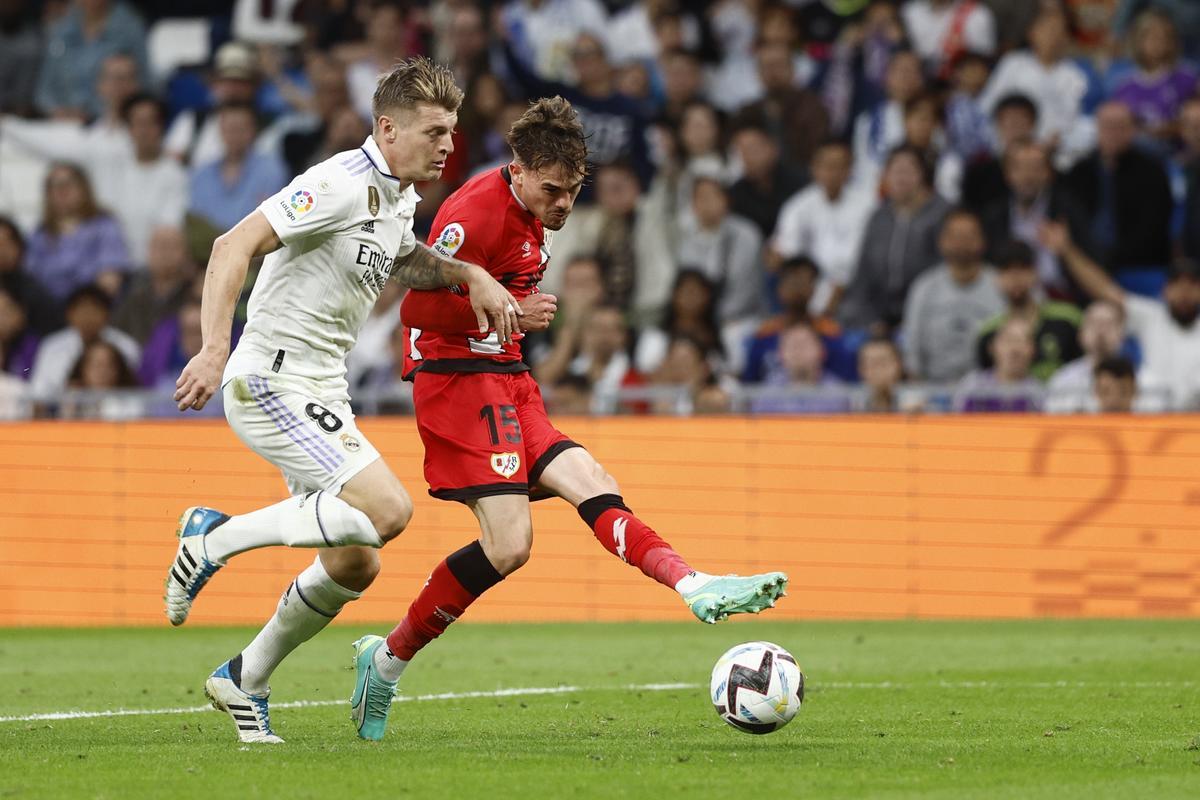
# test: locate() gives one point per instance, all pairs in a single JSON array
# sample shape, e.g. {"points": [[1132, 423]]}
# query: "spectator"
{"points": [[87, 322], [879, 130], [793, 115], [1008, 385], [923, 130], [947, 305], [77, 242], [688, 368], [1160, 83], [1185, 13], [20, 56], [794, 290], [855, 73], [1013, 18], [1115, 386], [1100, 336], [194, 136], [385, 45], [943, 30], [101, 369], [899, 243], [682, 84], [1126, 195], [801, 370], [571, 396], [42, 310], [726, 248], [171, 345], [18, 342], [1014, 120], [1055, 83], [691, 314], [302, 144], [596, 350], [766, 183], [1055, 325], [1031, 199], [968, 129], [882, 371], [77, 45], [384, 381], [700, 149], [825, 221], [464, 47], [157, 292], [228, 189], [544, 32], [1167, 330], [372, 350]]}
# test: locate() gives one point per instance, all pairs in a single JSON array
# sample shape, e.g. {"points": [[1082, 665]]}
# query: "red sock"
{"points": [[454, 584], [631, 540]]}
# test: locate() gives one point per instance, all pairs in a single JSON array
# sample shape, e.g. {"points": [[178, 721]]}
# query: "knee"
{"points": [[392, 517], [353, 567], [508, 557]]}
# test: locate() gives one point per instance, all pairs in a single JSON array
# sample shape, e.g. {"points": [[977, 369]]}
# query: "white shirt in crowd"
{"points": [[929, 26], [341, 223], [545, 35], [827, 231], [876, 133], [1170, 352]]}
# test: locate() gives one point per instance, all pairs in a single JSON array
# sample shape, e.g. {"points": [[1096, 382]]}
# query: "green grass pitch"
{"points": [[1046, 709]]}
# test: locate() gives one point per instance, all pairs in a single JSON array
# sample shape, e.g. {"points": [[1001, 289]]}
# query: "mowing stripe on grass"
{"points": [[519, 692]]}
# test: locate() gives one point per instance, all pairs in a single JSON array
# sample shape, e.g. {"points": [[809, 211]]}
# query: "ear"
{"points": [[516, 170]]}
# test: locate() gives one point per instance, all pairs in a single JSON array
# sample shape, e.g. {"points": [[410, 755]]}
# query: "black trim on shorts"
{"points": [[448, 366], [467, 493], [539, 466]]}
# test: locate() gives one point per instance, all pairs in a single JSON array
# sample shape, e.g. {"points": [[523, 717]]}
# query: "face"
{"points": [[902, 180], [604, 335], [617, 190], [166, 255], [234, 90], [633, 80], [1182, 296], [386, 31], [1014, 124], [66, 191], [548, 192], [831, 168], [487, 96], [699, 130], [1155, 41], [589, 60], [10, 250], [330, 92], [691, 298], [684, 364], [1189, 126], [12, 317], [88, 318], [775, 67], [1012, 350], [582, 285], [1114, 395], [758, 152], [1027, 171], [417, 141], [1102, 330], [1048, 35], [118, 80], [681, 78], [796, 288], [879, 366], [145, 128], [1115, 129], [801, 352], [961, 241], [971, 76], [101, 368], [238, 128], [920, 123], [467, 36], [903, 80], [710, 203], [1017, 283]]}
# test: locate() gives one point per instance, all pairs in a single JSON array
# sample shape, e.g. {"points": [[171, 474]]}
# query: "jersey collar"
{"points": [[371, 150], [508, 179]]}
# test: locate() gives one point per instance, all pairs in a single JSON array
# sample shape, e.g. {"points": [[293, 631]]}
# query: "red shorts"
{"points": [[485, 433]]}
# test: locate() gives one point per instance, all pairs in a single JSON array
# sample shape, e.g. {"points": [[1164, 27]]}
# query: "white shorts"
{"points": [[316, 445]]}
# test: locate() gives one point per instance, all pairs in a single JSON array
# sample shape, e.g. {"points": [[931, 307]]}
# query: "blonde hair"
{"points": [[416, 80]]}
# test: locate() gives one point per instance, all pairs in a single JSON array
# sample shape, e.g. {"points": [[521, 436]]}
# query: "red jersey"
{"points": [[482, 223]]}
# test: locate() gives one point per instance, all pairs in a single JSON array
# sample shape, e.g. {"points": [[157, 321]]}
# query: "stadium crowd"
{"points": [[813, 206]]}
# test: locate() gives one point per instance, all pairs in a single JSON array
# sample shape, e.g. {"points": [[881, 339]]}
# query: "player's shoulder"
{"points": [[477, 211]]}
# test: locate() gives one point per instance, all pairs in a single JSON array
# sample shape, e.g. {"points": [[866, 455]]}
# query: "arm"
{"points": [[421, 268], [223, 280], [1084, 270], [446, 312]]}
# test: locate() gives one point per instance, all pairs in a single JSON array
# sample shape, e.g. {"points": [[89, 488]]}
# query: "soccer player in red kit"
{"points": [[488, 441]]}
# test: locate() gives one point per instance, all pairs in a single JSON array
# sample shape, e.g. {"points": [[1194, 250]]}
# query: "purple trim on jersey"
{"points": [[359, 170], [377, 167], [287, 422]]}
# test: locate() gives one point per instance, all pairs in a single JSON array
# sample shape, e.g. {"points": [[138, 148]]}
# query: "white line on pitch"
{"points": [[519, 692]]}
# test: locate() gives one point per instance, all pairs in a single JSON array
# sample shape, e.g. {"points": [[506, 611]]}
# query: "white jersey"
{"points": [[342, 223]]}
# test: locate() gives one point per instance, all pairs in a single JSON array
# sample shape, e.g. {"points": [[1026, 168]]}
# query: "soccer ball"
{"points": [[757, 687]]}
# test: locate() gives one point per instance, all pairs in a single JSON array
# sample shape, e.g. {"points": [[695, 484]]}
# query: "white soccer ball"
{"points": [[757, 687]]}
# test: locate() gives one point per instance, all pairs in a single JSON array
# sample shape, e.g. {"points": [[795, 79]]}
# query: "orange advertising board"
{"points": [[880, 517]]}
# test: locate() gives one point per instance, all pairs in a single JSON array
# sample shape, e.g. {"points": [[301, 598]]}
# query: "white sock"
{"points": [[307, 606], [691, 582], [316, 519], [388, 666]]}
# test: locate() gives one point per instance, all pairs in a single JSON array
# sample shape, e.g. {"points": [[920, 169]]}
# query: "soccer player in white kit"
{"points": [[332, 239]]}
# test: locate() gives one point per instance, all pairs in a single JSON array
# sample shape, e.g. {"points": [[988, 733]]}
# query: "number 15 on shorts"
{"points": [[506, 419]]}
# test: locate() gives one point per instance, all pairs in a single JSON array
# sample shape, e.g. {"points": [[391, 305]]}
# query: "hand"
{"points": [[491, 301], [199, 380], [538, 310], [1055, 237]]}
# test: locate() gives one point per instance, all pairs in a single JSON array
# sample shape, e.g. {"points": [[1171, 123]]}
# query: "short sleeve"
{"points": [[313, 203]]}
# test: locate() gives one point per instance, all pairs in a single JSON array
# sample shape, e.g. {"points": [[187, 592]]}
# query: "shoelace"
{"points": [[202, 577], [264, 714], [379, 702]]}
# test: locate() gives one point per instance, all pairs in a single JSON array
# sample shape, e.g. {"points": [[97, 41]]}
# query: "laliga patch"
{"points": [[300, 203], [451, 238], [350, 443], [506, 464]]}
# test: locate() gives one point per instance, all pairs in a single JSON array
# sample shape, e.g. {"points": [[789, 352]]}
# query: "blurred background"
{"points": [[814, 206]]}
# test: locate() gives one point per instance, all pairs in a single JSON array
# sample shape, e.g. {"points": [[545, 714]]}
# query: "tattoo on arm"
{"points": [[425, 269]]}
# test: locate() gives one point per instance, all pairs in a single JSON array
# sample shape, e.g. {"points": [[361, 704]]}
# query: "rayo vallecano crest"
{"points": [[506, 464]]}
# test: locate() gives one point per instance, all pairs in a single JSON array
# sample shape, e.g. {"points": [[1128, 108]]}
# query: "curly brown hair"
{"points": [[549, 134]]}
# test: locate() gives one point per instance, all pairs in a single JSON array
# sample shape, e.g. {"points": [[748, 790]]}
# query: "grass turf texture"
{"points": [[974, 709]]}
